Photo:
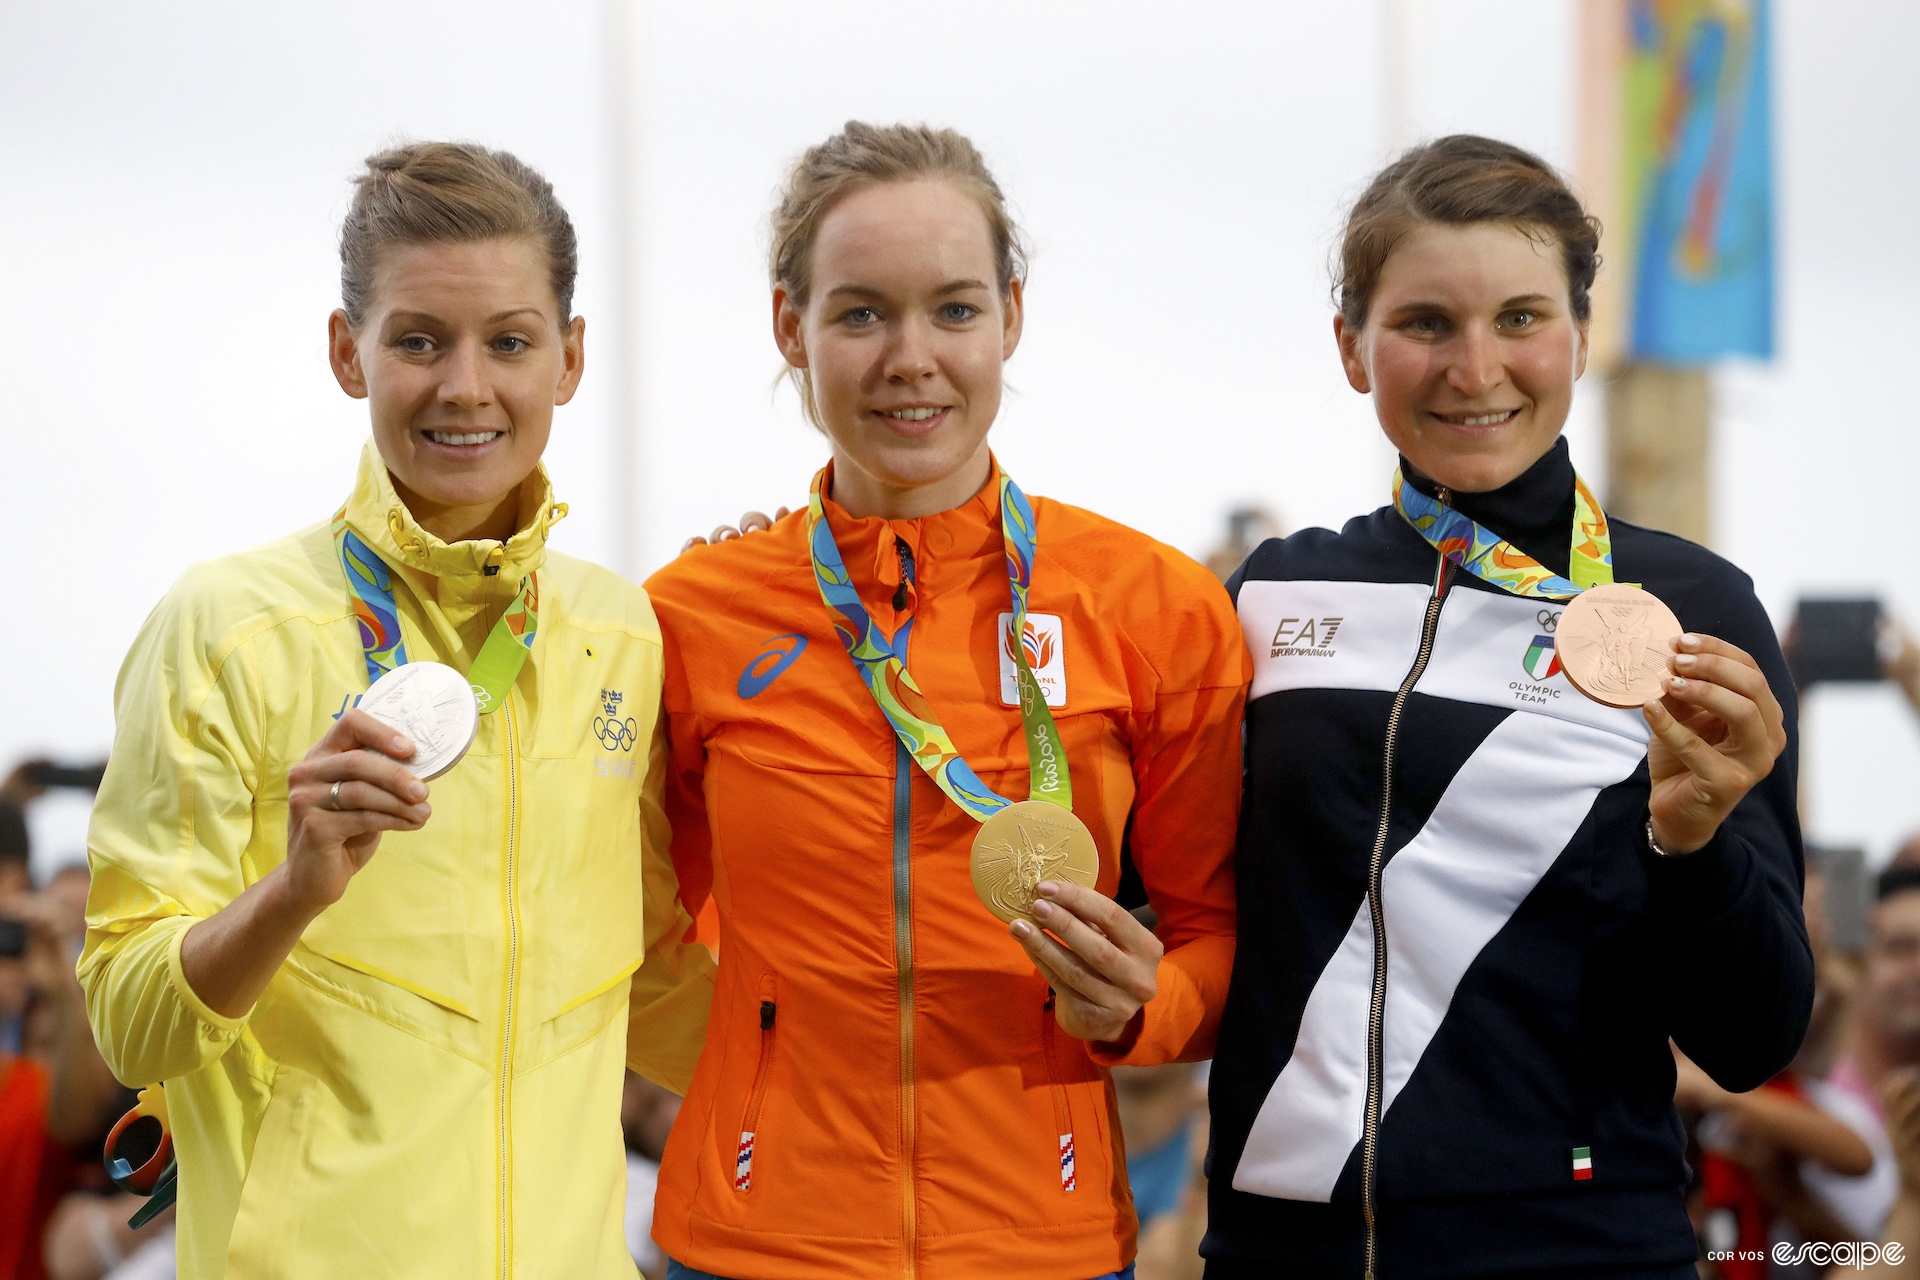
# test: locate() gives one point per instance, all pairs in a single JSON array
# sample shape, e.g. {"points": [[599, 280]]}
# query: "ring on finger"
{"points": [[333, 797]]}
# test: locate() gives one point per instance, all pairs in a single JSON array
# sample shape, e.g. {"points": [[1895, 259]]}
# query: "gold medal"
{"points": [[1616, 644], [1022, 845]]}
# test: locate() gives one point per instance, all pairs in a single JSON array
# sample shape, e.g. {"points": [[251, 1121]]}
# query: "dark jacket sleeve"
{"points": [[1730, 922]]}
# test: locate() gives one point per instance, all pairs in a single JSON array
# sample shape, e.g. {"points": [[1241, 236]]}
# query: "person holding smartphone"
{"points": [[393, 1020]]}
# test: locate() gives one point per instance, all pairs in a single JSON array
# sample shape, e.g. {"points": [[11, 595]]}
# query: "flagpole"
{"points": [[1401, 82], [622, 24]]}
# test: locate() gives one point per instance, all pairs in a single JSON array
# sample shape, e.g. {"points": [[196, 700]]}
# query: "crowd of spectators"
{"points": [[60, 1217], [1818, 1171]]}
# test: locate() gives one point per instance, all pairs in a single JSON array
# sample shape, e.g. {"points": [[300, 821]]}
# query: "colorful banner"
{"points": [[1679, 166]]}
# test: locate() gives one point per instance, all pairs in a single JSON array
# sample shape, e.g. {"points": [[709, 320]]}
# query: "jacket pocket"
{"points": [[750, 1119], [303, 1031], [403, 922], [273, 1194], [1062, 1108]]}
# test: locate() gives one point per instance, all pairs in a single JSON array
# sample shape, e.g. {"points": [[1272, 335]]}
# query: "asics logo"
{"points": [[781, 652]]}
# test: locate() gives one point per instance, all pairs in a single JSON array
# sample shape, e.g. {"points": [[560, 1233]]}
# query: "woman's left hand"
{"points": [[1104, 972], [1716, 733]]}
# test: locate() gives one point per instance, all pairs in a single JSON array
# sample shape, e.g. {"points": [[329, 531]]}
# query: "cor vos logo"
{"points": [[1305, 637]]}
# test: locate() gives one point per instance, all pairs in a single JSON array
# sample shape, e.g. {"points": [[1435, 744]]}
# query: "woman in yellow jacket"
{"points": [[406, 1064]]}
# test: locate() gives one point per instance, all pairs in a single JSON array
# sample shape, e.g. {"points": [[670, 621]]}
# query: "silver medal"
{"points": [[432, 704]]}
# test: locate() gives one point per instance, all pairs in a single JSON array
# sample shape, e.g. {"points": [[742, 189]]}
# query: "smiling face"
{"points": [[904, 336], [1470, 351], [462, 357]]}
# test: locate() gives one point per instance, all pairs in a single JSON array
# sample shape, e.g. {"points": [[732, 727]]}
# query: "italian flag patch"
{"points": [[1583, 1164]]}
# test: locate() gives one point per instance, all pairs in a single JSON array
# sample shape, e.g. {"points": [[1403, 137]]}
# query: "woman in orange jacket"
{"points": [[924, 682]]}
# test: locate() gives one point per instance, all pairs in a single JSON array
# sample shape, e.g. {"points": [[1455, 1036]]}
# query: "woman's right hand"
{"points": [[751, 522], [349, 789]]}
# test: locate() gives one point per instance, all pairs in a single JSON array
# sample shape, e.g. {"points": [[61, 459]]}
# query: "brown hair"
{"points": [[450, 193], [1456, 181], [863, 155]]}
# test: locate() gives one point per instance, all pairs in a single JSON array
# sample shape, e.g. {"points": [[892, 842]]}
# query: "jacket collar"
{"points": [[1533, 511], [376, 512], [870, 544]]}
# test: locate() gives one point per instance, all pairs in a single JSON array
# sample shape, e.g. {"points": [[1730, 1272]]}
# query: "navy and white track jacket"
{"points": [[1512, 1040]]}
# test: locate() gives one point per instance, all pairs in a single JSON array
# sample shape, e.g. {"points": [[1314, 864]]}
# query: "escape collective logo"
{"points": [[1855, 1254]]}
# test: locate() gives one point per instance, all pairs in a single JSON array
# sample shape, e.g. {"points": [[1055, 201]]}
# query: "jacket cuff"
{"points": [[1702, 883], [1114, 1053], [1158, 1030], [219, 1026]]}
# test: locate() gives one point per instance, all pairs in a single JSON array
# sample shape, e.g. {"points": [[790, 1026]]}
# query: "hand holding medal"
{"points": [[352, 786], [1033, 862], [1716, 727], [1716, 733], [414, 723]]}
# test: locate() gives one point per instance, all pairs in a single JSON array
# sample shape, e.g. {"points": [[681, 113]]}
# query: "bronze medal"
{"points": [[1616, 644], [1023, 844]]}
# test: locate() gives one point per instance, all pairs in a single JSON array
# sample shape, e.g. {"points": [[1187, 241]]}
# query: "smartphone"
{"points": [[1849, 896], [13, 938], [81, 777], [1836, 641]]}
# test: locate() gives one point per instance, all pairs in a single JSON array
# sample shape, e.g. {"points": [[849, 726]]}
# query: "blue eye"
{"points": [[512, 344], [416, 343], [959, 312], [861, 316]]}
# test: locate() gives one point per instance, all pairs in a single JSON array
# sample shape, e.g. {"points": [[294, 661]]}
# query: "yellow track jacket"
{"points": [[431, 1084]]}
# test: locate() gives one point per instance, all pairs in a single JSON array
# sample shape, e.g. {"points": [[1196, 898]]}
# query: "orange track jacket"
{"points": [[884, 1091]]}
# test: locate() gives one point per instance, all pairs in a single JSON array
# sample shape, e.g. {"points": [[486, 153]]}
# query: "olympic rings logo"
{"points": [[616, 735]]}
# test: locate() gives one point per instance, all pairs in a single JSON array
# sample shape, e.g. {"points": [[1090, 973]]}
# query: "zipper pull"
{"points": [[495, 558], [767, 1010], [906, 572], [1443, 495]]}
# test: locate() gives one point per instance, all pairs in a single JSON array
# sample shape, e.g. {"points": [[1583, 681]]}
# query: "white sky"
{"points": [[172, 177]]}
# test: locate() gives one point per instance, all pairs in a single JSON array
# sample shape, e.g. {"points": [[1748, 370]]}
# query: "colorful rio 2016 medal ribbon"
{"points": [[1018, 845], [430, 702], [1615, 640]]}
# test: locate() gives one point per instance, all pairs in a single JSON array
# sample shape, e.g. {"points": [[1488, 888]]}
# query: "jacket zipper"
{"points": [[905, 553], [513, 976], [750, 1122], [1376, 865], [1062, 1108], [903, 951], [903, 968]]}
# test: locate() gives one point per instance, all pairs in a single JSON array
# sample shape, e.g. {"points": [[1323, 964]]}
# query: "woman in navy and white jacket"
{"points": [[1474, 905]]}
